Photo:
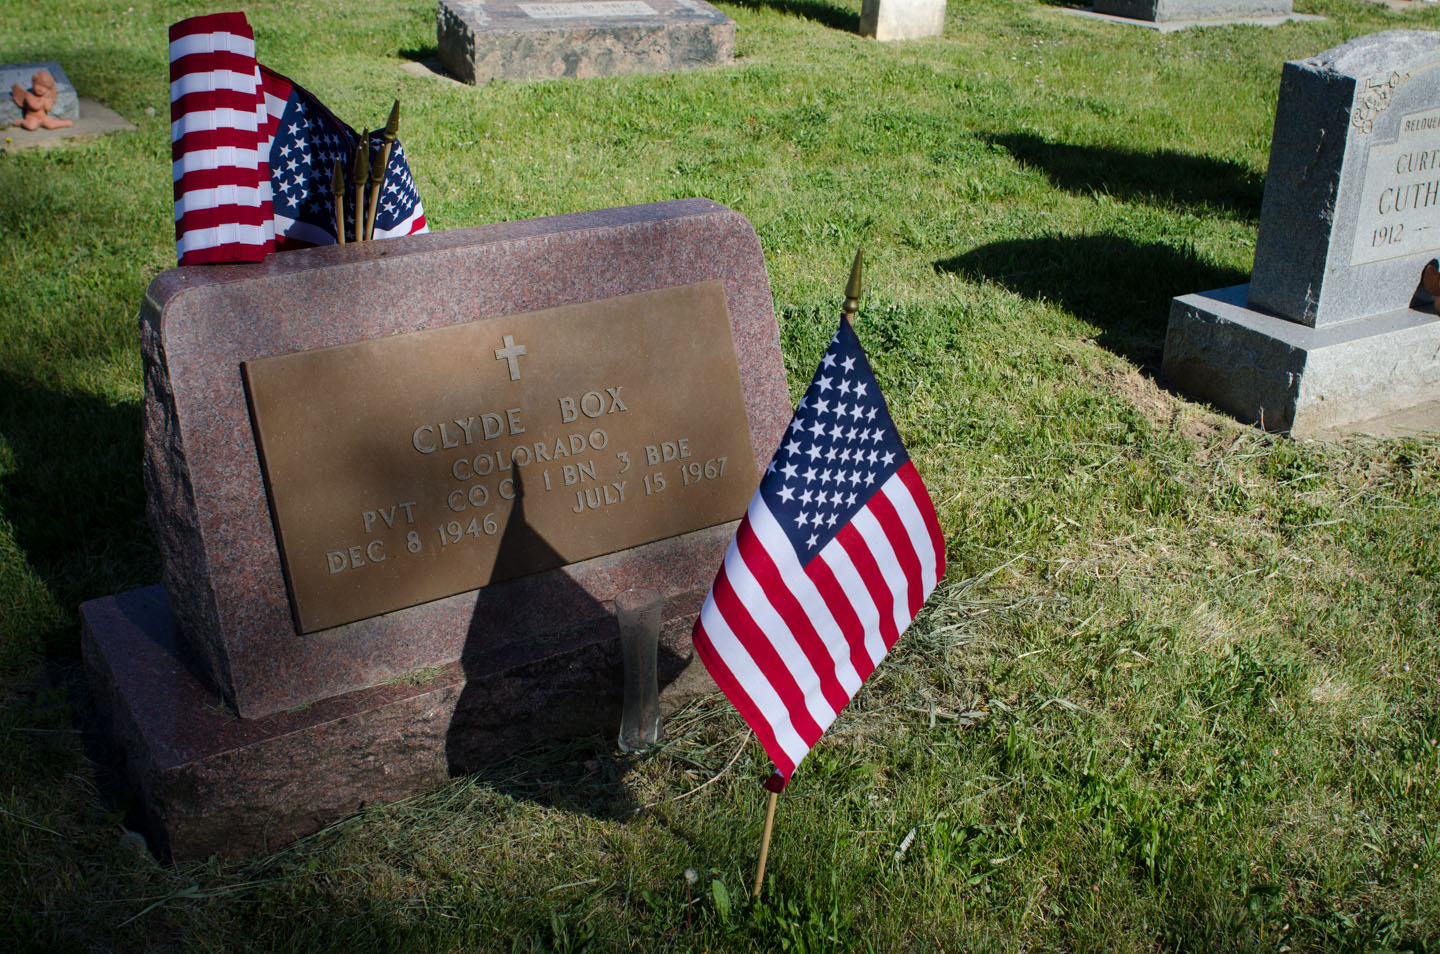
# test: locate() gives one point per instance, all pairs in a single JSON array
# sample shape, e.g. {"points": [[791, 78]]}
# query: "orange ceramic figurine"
{"points": [[37, 101]]}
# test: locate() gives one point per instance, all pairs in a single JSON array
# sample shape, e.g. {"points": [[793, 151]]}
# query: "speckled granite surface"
{"points": [[207, 501], [211, 783], [483, 40]]}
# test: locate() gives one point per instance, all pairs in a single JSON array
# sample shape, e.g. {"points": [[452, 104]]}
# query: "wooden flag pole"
{"points": [[847, 311], [765, 843], [377, 172], [337, 191], [361, 173]]}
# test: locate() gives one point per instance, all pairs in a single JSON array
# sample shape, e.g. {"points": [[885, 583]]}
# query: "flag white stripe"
{"points": [[220, 235], [909, 510], [404, 227], [194, 200], [756, 601], [209, 120], [858, 596], [210, 43], [221, 157], [752, 681], [274, 105], [872, 534], [772, 537], [211, 80]]}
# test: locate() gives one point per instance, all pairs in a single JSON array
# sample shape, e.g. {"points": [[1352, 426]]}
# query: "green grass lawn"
{"points": [[1180, 689]]}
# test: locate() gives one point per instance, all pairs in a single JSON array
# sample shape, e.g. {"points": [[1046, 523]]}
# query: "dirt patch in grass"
{"points": [[1163, 409]]}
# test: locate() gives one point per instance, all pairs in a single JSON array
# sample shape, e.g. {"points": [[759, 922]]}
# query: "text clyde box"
{"points": [[492, 449], [208, 502]]}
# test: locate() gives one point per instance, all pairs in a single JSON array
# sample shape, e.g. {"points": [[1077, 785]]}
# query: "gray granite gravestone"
{"points": [[482, 40], [67, 104], [1166, 11], [392, 533], [902, 19], [1332, 329]]}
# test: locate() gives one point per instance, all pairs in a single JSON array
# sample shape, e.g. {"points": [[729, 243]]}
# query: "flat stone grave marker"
{"points": [[1332, 328], [1167, 16], [90, 119], [1165, 11], [482, 40], [67, 103], [397, 487], [902, 19]]}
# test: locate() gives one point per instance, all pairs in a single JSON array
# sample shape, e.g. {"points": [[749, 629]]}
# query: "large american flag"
{"points": [[253, 152], [837, 552]]}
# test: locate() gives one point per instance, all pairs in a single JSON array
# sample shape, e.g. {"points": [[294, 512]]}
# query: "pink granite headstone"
{"points": [[383, 705]]}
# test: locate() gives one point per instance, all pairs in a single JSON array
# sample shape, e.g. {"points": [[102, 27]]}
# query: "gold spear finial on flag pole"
{"points": [[337, 192], [852, 287], [377, 173], [361, 173]]}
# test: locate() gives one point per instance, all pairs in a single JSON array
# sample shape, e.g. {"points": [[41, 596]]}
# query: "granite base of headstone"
{"points": [[1166, 11], [483, 40], [1333, 328], [397, 487], [1168, 16], [902, 19]]}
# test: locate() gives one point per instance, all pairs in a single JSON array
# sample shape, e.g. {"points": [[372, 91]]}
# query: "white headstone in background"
{"points": [[902, 19]]}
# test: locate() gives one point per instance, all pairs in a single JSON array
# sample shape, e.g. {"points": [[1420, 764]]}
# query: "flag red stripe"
{"points": [[783, 601], [214, 179], [212, 61], [218, 216], [894, 528], [766, 658], [230, 252], [912, 480], [225, 137], [740, 699], [207, 100], [276, 85], [843, 612], [229, 22], [859, 553]]}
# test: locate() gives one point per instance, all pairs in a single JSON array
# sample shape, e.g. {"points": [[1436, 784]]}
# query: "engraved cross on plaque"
{"points": [[511, 353]]}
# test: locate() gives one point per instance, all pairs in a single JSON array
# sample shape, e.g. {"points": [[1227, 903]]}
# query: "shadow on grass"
{"points": [[826, 14], [420, 54], [75, 497], [1154, 177], [1121, 286]]}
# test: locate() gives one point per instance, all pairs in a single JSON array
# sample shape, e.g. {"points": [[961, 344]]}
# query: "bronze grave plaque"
{"points": [[408, 468]]}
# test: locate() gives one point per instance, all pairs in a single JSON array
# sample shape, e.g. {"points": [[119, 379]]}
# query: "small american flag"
{"points": [[253, 153], [836, 554]]}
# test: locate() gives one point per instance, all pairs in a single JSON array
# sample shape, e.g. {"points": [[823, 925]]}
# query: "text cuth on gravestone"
{"points": [[1400, 200], [409, 468]]}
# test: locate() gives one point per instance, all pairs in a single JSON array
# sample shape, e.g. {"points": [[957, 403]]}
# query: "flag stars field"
{"points": [[820, 581]]}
